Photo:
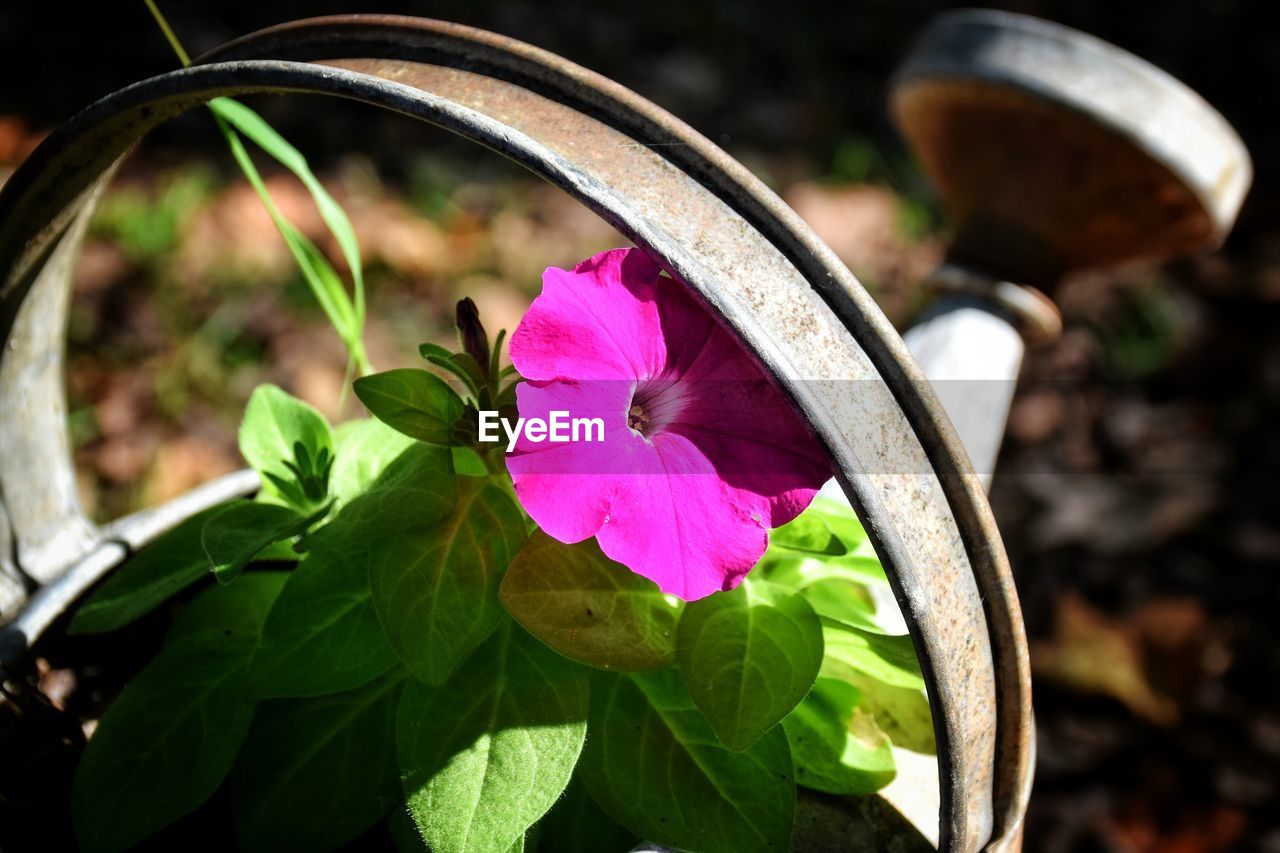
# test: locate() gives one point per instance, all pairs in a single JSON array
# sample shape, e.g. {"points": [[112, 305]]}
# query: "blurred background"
{"points": [[1137, 487]]}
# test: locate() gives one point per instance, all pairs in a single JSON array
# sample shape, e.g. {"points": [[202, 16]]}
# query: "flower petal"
{"points": [[597, 321], [568, 488], [678, 526], [726, 455]]}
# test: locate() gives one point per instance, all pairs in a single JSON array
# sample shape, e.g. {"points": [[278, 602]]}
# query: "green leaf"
{"points": [[237, 609], [748, 656], [316, 773], [365, 448], [416, 402], [843, 600], [852, 650], [274, 423], [654, 764], [468, 463], [404, 832], [577, 825], [485, 756], [836, 745], [322, 635], [159, 571], [167, 742], [436, 588], [808, 532], [347, 319], [252, 125], [903, 713], [796, 570], [417, 488], [827, 527], [234, 536], [589, 608], [445, 360]]}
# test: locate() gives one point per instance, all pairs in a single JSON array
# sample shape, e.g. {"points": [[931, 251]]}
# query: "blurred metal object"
{"points": [[1055, 151], [1052, 151], [710, 223]]}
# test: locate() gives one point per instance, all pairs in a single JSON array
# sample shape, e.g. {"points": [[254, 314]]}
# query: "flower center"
{"points": [[637, 419], [655, 404]]}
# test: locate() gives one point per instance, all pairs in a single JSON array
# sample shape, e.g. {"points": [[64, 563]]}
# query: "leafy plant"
{"points": [[389, 636]]}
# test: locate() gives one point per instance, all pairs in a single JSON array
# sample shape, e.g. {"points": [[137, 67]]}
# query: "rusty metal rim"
{"points": [[699, 158], [1104, 84]]}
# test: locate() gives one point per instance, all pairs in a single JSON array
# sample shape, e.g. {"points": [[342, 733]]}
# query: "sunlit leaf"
{"points": [[364, 450], [827, 527], [416, 402], [653, 763], [853, 651], [485, 756], [797, 570], [436, 587], [589, 608], [748, 656], [902, 713], [836, 745], [844, 600], [274, 424]]}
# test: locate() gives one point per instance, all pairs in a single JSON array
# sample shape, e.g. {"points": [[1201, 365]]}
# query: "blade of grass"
{"points": [[347, 318], [320, 276], [251, 125]]}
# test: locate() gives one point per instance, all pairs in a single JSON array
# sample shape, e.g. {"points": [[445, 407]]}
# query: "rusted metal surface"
{"points": [[1054, 150], [715, 226]]}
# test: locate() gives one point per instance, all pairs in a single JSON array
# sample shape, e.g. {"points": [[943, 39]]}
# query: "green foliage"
{"points": [[147, 225], [164, 568], [654, 764], [748, 657], [590, 609], [364, 450], [435, 660], [886, 658], [836, 745], [416, 402], [315, 773], [289, 444], [486, 755], [417, 488], [167, 742], [346, 317], [435, 587], [322, 635], [237, 533], [577, 825]]}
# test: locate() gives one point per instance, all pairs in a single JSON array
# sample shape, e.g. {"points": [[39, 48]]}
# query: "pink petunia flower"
{"points": [[700, 454]]}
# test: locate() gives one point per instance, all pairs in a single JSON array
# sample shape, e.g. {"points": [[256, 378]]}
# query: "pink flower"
{"points": [[700, 455]]}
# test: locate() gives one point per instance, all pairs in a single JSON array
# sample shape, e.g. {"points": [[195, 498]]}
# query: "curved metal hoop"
{"points": [[708, 220]]}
